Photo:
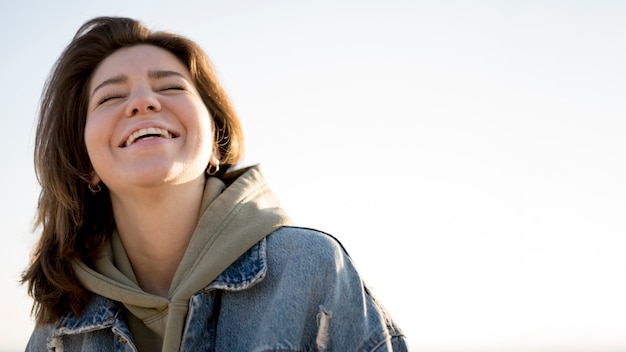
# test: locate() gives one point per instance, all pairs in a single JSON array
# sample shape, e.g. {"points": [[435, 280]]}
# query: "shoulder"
{"points": [[309, 254], [98, 316], [306, 246], [315, 242], [40, 337], [315, 265]]}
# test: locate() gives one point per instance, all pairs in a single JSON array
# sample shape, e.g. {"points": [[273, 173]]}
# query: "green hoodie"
{"points": [[236, 213]]}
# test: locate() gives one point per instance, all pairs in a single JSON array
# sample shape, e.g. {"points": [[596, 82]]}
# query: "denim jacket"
{"points": [[296, 290]]}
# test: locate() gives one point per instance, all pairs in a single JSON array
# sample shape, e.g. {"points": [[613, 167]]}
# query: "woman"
{"points": [[150, 241]]}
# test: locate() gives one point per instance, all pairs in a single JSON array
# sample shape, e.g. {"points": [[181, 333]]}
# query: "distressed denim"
{"points": [[296, 290]]}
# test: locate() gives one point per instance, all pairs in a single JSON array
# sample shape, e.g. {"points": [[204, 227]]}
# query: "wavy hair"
{"points": [[74, 222]]}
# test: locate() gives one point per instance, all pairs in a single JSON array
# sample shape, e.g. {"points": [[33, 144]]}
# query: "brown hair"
{"points": [[75, 222]]}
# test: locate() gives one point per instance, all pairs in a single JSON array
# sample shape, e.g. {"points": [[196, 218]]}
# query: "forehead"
{"points": [[137, 60]]}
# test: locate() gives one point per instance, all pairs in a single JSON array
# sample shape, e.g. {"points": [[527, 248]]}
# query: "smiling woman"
{"points": [[151, 239]]}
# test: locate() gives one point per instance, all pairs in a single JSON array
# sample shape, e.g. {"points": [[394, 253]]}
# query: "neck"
{"points": [[155, 226]]}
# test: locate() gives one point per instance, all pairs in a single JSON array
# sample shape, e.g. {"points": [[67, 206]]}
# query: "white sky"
{"points": [[469, 155]]}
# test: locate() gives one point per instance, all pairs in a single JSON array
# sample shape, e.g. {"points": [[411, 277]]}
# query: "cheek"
{"points": [[90, 135], [202, 123], [95, 138], [204, 143]]}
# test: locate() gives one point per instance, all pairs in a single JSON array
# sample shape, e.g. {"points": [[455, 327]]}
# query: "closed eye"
{"points": [[107, 98], [175, 87]]}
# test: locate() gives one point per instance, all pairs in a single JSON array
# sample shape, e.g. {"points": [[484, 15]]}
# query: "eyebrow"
{"points": [[154, 74], [163, 74], [113, 80]]}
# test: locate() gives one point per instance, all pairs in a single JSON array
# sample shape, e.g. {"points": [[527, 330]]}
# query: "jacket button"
{"points": [[121, 340]]}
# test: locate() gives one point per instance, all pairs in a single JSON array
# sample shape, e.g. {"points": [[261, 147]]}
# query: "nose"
{"points": [[142, 101]]}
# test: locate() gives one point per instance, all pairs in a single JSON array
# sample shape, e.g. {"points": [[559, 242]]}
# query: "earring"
{"points": [[212, 169], [94, 189]]}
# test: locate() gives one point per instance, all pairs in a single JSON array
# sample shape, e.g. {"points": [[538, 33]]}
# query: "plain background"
{"points": [[469, 154]]}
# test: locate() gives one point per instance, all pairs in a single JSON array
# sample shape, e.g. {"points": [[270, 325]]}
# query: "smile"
{"points": [[149, 132]]}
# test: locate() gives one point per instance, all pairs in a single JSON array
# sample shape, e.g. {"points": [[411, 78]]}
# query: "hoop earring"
{"points": [[94, 189], [212, 169]]}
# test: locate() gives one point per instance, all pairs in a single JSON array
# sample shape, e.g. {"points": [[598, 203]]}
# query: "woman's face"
{"points": [[146, 123]]}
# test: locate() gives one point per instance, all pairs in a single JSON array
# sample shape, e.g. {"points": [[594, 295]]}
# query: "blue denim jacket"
{"points": [[296, 290]]}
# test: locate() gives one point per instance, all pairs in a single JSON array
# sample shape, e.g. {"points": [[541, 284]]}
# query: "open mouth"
{"points": [[147, 133]]}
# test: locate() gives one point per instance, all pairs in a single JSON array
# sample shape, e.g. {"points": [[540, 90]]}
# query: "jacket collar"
{"points": [[245, 272]]}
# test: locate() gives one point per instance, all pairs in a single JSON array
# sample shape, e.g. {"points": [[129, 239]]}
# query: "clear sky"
{"points": [[469, 154]]}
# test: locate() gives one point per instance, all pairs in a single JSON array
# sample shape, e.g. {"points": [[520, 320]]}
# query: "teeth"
{"points": [[147, 131]]}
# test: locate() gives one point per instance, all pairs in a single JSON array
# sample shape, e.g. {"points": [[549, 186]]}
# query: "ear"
{"points": [[213, 160], [95, 179], [215, 157]]}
